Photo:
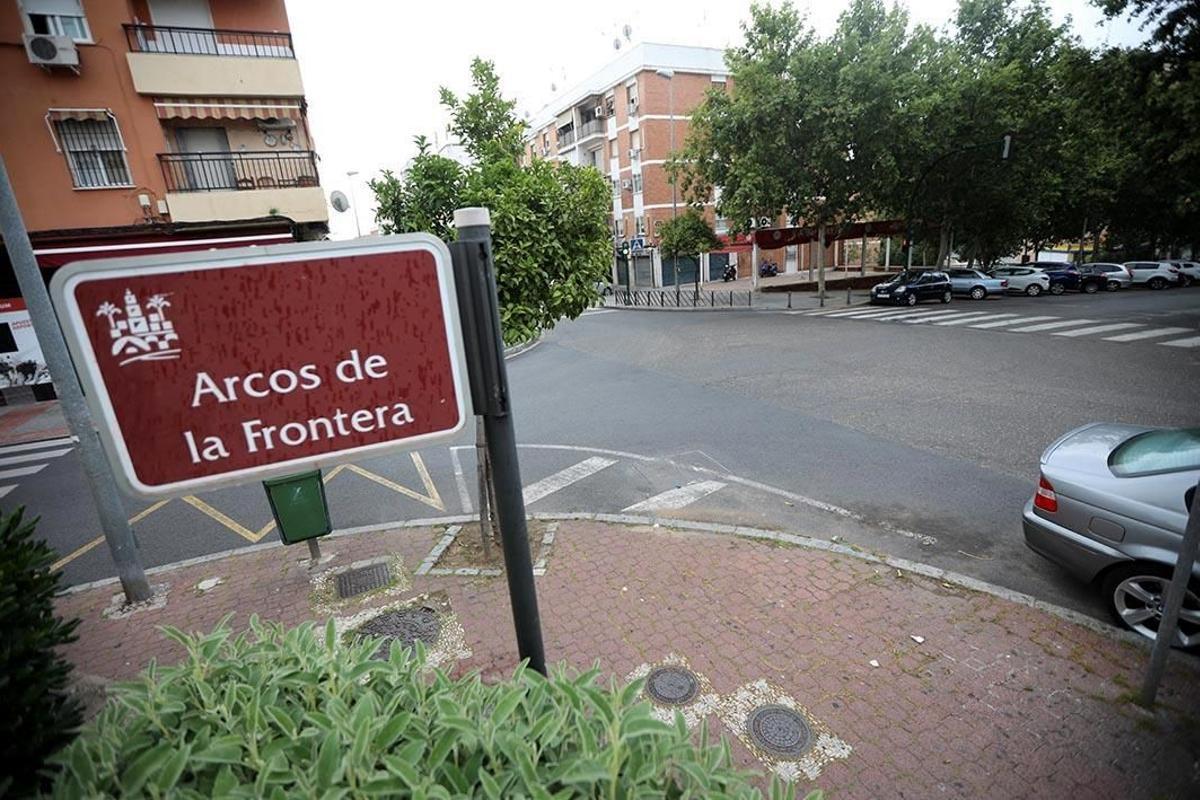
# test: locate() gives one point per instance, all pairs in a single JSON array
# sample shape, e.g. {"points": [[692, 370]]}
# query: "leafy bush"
{"points": [[275, 713], [39, 716]]}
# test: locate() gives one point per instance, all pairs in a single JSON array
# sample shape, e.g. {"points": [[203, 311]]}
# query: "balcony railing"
{"points": [[591, 128], [220, 171], [566, 138], [208, 41]]}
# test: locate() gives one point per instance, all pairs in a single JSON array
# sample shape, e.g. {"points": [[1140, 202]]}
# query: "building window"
{"points": [[621, 227], [632, 91], [56, 18], [641, 225], [610, 104], [637, 182], [94, 151], [614, 151]]}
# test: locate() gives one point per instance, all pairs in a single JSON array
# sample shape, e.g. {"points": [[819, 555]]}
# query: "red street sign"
{"points": [[218, 367]]}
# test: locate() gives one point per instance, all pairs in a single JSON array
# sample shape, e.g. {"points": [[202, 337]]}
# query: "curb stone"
{"points": [[686, 526]]}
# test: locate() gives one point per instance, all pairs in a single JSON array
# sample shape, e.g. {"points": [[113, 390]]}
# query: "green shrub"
{"points": [[37, 715], [275, 713]]}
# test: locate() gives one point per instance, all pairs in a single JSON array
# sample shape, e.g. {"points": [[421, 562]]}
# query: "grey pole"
{"points": [[1169, 622], [117, 533], [474, 226]]}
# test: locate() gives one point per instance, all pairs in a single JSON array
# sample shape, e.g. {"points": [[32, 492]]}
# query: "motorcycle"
{"points": [[768, 270], [730, 273]]}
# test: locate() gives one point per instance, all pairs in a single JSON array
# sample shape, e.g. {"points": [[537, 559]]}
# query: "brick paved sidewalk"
{"points": [[32, 422], [973, 695]]}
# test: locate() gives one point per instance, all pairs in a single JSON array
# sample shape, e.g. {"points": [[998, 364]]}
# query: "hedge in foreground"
{"points": [[284, 713], [37, 714]]}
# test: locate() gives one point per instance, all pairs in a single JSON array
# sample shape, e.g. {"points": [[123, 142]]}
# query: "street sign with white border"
{"points": [[205, 369]]}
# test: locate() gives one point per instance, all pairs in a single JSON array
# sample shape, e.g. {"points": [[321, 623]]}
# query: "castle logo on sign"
{"points": [[141, 335]]}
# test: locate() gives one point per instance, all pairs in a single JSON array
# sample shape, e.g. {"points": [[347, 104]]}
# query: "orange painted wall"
{"points": [[39, 172]]}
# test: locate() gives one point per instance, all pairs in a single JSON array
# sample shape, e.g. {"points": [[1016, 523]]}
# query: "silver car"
{"points": [[1111, 506], [976, 284], [1116, 275]]}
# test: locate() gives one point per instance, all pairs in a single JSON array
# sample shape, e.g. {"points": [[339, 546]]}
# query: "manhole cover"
{"points": [[672, 686], [404, 625], [779, 730], [354, 582]]}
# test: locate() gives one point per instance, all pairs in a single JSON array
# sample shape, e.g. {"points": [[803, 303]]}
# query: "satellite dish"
{"points": [[338, 200], [616, 44]]}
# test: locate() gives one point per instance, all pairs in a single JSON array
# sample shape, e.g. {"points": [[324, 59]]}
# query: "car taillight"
{"points": [[1173, 269], [1003, 283], [1045, 498]]}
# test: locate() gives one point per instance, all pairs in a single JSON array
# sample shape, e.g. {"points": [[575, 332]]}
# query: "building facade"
{"points": [[145, 126], [625, 121]]}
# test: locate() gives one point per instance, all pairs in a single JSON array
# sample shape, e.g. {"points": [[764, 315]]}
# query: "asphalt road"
{"points": [[914, 437]]}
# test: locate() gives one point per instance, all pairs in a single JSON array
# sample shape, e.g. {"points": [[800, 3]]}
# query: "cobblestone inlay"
{"points": [[427, 618], [354, 582], [672, 686], [779, 730], [327, 598], [761, 710], [675, 677]]}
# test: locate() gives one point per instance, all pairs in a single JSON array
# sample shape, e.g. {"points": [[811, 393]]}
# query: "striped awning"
{"points": [[60, 114], [228, 107]]}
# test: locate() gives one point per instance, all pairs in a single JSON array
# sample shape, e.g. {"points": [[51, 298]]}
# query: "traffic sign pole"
{"points": [[117, 533], [489, 390]]}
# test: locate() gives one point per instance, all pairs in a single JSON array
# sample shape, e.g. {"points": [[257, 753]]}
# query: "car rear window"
{"points": [[1157, 451]]}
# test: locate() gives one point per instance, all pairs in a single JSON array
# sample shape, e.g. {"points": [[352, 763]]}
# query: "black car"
{"points": [[910, 288], [1064, 276]]}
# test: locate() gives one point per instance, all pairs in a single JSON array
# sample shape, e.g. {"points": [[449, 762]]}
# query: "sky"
{"points": [[372, 68]]}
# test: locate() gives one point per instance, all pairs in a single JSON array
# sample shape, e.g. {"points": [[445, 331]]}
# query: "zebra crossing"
{"points": [[23, 460], [1051, 325]]}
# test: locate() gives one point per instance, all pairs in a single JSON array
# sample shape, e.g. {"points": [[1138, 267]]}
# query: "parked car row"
{"points": [[913, 286]]}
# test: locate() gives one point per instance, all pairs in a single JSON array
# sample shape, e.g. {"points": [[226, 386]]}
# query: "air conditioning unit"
{"points": [[627, 184], [633, 106], [635, 152], [599, 112], [51, 51]]}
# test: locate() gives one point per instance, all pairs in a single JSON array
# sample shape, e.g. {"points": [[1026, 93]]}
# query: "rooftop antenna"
{"points": [[628, 31]]}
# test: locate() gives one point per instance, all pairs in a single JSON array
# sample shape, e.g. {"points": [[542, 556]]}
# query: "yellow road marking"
{"points": [[431, 498], [228, 522], [138, 517]]}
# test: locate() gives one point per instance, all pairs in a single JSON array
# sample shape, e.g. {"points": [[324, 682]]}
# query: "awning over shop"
{"points": [[52, 257], [229, 107], [774, 238]]}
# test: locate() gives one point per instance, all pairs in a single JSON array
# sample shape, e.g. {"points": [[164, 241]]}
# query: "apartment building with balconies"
{"points": [[146, 126], [623, 121]]}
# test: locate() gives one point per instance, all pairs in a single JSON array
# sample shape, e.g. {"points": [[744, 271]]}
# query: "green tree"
{"points": [[689, 234], [423, 197], [549, 221]]}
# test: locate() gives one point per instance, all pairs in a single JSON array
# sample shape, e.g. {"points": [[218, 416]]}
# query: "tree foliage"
{"points": [[549, 220], [885, 119], [40, 716], [689, 234]]}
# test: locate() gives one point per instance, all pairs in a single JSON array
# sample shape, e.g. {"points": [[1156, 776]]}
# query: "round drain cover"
{"points": [[779, 730], [404, 625], [672, 686]]}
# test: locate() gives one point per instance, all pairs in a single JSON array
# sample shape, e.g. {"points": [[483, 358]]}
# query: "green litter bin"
{"points": [[298, 504]]}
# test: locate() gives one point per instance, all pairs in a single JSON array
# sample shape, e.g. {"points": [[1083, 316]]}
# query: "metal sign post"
{"points": [[117, 533], [480, 308], [1176, 590]]}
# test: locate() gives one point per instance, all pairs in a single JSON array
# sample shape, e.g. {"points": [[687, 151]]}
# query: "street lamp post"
{"points": [[354, 202], [669, 74]]}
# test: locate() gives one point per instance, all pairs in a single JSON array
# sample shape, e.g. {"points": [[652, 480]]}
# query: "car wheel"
{"points": [[978, 293], [947, 297], [911, 299], [1057, 289], [1091, 287], [1135, 594], [1112, 286], [1157, 283], [1033, 289]]}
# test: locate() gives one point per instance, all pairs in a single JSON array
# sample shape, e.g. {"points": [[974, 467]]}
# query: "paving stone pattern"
{"points": [[998, 700]]}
